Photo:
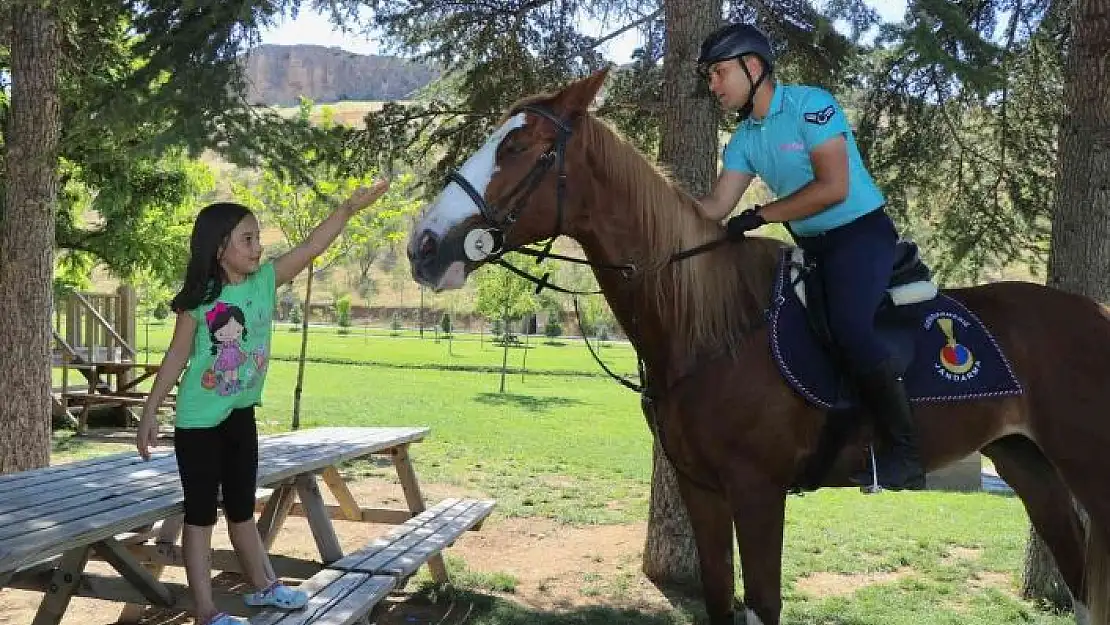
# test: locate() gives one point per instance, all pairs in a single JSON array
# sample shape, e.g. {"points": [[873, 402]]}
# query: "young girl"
{"points": [[223, 329]]}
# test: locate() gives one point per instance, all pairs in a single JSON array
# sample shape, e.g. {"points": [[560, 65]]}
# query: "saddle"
{"points": [[910, 283], [939, 347]]}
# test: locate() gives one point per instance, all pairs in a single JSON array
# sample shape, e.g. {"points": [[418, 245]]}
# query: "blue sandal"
{"points": [[277, 595]]}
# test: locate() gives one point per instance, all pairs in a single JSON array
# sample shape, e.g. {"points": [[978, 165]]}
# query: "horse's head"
{"points": [[511, 192]]}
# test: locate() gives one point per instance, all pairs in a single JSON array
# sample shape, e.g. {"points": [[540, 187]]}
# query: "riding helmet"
{"points": [[733, 41]]}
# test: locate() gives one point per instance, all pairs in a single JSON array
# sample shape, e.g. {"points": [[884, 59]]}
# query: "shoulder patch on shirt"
{"points": [[821, 117]]}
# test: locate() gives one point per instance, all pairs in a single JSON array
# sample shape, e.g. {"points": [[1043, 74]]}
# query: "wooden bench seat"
{"points": [[335, 598], [401, 552], [347, 590]]}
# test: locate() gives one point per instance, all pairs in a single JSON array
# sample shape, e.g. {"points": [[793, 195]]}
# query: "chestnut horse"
{"points": [[735, 432]]}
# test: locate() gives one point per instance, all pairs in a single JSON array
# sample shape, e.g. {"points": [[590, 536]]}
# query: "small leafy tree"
{"points": [[343, 313], [297, 206], [503, 297], [552, 329], [153, 295]]}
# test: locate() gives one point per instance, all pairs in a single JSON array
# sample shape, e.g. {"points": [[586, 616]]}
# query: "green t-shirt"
{"points": [[231, 351]]}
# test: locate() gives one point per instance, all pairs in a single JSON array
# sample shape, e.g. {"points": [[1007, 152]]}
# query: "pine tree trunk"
{"points": [[304, 348], [1081, 219], [27, 238], [689, 150]]}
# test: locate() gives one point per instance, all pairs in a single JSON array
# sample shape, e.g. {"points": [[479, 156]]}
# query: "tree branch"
{"points": [[627, 27]]}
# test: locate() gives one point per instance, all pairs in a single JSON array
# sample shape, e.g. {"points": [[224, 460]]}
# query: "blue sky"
{"points": [[312, 28]]}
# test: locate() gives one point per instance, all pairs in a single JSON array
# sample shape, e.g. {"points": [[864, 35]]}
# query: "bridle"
{"points": [[487, 243], [556, 153]]}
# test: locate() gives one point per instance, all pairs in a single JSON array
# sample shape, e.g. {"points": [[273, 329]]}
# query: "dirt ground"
{"points": [[549, 567]]}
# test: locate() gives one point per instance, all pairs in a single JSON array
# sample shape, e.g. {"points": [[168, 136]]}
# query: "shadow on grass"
{"points": [[526, 402], [69, 444], [455, 607]]}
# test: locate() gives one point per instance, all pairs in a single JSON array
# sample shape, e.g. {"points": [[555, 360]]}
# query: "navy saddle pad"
{"points": [[945, 352]]}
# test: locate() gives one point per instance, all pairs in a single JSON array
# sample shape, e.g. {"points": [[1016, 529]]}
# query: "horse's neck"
{"points": [[656, 309], [636, 306]]}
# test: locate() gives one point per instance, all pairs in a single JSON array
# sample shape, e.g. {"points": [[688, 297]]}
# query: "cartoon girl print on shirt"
{"points": [[227, 327]]}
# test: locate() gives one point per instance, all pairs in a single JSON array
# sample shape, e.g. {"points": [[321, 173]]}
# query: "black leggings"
{"points": [[222, 458]]}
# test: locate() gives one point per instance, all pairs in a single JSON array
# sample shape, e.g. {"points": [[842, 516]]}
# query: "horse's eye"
{"points": [[512, 148]]}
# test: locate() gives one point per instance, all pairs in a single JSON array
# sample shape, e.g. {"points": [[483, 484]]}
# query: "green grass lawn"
{"points": [[575, 448], [406, 349]]}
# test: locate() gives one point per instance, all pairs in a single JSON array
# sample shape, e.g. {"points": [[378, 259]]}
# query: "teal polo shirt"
{"points": [[776, 148]]}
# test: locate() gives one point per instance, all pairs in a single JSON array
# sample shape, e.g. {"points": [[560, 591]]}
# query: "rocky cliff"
{"points": [[279, 75]]}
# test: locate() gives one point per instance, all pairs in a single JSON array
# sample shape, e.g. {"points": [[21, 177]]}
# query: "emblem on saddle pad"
{"points": [[955, 362]]}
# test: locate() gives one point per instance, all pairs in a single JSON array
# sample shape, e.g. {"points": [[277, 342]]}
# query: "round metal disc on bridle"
{"points": [[479, 244]]}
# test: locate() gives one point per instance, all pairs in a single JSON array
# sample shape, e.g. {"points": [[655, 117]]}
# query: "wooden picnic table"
{"points": [[114, 383], [129, 513]]}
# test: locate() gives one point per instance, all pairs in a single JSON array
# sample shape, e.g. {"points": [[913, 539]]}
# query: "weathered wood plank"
{"points": [[12, 479], [88, 530], [118, 590], [157, 557], [335, 598], [124, 468], [322, 529], [281, 444], [274, 513], [433, 540], [35, 516], [168, 533], [411, 486], [63, 585], [42, 480], [404, 549], [338, 487], [388, 516], [114, 509], [331, 454], [125, 563]]}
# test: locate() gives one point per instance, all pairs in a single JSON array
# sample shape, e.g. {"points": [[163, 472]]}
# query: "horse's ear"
{"points": [[577, 96]]}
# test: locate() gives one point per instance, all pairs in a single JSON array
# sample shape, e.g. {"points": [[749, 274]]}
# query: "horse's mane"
{"points": [[715, 298]]}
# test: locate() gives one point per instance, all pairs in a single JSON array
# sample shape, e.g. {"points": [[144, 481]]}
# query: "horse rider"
{"points": [[797, 140]]}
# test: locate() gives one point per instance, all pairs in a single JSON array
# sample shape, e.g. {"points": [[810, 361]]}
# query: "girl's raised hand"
{"points": [[365, 196]]}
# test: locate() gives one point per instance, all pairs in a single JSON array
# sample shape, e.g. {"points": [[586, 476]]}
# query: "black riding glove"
{"points": [[745, 221]]}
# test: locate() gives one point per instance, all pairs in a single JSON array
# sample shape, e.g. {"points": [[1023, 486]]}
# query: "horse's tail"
{"points": [[1097, 576]]}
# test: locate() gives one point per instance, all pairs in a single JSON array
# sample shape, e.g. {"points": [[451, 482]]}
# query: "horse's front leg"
{"points": [[711, 521], [759, 511]]}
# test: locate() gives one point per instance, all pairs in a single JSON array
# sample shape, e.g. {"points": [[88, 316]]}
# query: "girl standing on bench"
{"points": [[224, 313]]}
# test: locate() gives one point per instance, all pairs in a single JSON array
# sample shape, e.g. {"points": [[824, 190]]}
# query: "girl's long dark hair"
{"points": [[204, 278]]}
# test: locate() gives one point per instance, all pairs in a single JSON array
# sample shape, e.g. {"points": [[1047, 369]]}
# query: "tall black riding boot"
{"points": [[897, 457]]}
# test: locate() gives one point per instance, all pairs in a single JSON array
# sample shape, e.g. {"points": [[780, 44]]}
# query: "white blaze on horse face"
{"points": [[453, 206]]}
